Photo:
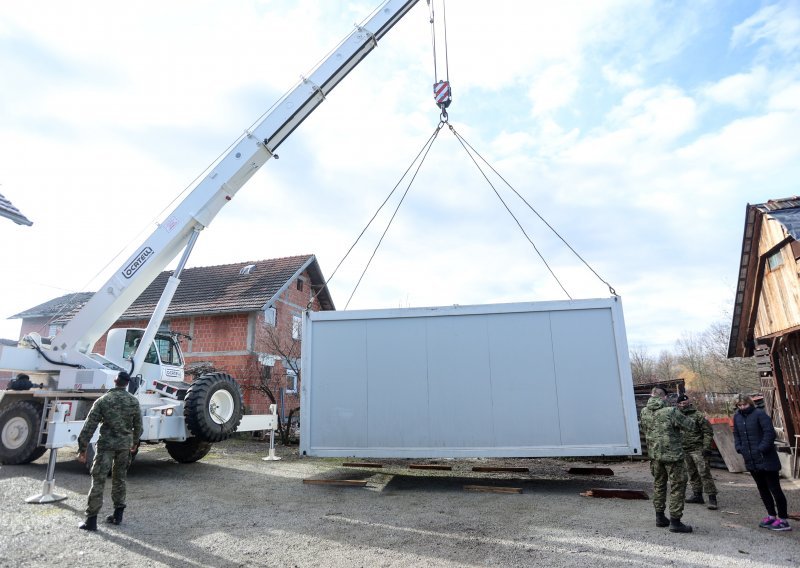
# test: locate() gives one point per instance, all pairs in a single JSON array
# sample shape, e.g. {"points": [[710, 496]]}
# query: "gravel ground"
{"points": [[233, 509]]}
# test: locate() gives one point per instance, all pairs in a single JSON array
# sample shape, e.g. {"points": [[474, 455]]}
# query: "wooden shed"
{"points": [[766, 316]]}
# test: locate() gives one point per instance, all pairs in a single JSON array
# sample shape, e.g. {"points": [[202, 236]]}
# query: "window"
{"points": [[299, 284], [774, 261], [291, 382], [166, 346], [297, 327], [270, 316], [167, 350], [53, 329]]}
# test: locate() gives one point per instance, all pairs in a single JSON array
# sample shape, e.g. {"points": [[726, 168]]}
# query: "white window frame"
{"points": [[297, 327], [291, 382]]}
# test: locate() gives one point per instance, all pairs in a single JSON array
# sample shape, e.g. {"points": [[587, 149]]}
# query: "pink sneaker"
{"points": [[766, 522], [779, 525]]}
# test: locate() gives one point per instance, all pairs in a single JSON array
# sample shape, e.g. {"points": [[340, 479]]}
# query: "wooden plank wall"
{"points": [[779, 302]]}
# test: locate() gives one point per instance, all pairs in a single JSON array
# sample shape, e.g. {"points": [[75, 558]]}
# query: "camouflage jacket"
{"points": [[662, 426], [701, 435], [120, 418]]}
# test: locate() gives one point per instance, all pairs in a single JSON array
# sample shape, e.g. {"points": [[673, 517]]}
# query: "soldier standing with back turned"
{"points": [[697, 449], [119, 416], [662, 425]]}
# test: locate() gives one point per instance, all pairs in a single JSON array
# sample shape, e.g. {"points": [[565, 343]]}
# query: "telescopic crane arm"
{"points": [[226, 177]]}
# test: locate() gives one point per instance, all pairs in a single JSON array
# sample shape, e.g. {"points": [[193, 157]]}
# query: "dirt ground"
{"points": [[234, 509]]}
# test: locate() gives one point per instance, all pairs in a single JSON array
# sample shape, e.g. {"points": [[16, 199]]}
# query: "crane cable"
{"points": [[423, 153], [470, 153], [442, 91]]}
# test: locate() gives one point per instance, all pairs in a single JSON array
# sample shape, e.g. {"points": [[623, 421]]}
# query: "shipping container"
{"points": [[504, 380]]}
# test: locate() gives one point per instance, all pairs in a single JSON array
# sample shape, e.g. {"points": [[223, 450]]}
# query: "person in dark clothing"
{"points": [[754, 437]]}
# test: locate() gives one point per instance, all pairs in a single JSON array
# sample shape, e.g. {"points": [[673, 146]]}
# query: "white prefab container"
{"points": [[505, 380]]}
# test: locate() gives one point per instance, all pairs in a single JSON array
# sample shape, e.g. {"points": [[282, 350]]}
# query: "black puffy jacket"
{"points": [[754, 438]]}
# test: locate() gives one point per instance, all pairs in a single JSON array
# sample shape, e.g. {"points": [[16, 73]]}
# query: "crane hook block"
{"points": [[442, 94]]}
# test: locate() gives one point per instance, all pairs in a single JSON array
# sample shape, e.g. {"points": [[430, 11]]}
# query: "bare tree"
{"points": [[268, 379], [642, 365], [666, 368]]}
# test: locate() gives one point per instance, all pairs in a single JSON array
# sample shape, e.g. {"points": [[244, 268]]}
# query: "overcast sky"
{"points": [[638, 130]]}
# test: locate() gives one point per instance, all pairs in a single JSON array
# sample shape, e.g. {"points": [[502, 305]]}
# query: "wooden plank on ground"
{"points": [[618, 493], [723, 438], [343, 482], [590, 471], [430, 466], [491, 469], [362, 464], [492, 489]]}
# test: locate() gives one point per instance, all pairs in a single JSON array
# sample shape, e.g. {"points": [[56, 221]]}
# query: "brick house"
{"points": [[242, 319]]}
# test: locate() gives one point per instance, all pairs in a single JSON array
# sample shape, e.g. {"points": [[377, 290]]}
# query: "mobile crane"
{"points": [[59, 378]]}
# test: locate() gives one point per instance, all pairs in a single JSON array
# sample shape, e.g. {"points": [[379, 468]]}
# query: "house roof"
{"points": [[218, 289], [8, 210], [209, 289], [787, 212], [63, 305]]}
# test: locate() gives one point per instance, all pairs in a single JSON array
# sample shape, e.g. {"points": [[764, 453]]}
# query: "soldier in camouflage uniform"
{"points": [[120, 418], [697, 450], [662, 425]]}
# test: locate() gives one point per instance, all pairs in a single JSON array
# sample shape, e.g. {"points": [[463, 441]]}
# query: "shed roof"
{"points": [[8, 210]]}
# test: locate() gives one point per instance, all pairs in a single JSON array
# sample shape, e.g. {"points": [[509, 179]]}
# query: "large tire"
{"points": [[189, 451], [19, 433], [213, 407]]}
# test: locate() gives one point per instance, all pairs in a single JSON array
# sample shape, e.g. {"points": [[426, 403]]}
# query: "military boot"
{"points": [[676, 526], [712, 502], [116, 518], [661, 519], [90, 524], [696, 498]]}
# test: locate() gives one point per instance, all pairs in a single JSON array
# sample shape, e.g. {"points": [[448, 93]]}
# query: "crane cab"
{"points": [[162, 369]]}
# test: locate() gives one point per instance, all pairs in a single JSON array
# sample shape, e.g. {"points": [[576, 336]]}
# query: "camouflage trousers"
{"points": [[674, 474], [699, 471], [115, 461]]}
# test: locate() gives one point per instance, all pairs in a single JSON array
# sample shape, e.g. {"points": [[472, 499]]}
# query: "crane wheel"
{"points": [[213, 407], [189, 451], [19, 433]]}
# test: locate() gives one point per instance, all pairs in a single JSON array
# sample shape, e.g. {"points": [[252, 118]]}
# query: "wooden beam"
{"points": [[430, 466], [491, 489], [590, 471], [362, 464], [510, 469], [343, 482], [618, 493]]}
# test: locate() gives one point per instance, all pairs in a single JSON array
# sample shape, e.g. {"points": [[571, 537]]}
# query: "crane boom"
{"points": [[229, 174]]}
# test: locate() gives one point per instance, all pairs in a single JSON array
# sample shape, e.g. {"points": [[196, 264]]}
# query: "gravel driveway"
{"points": [[233, 509]]}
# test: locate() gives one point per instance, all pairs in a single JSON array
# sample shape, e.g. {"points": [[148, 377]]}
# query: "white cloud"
{"points": [[776, 25], [553, 89], [738, 90]]}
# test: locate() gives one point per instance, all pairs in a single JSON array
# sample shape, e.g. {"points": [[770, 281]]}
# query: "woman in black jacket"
{"points": [[754, 437]]}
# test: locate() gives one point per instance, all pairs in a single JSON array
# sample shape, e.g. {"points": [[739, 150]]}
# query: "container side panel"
{"points": [[398, 383], [589, 389], [339, 409], [523, 380], [460, 393]]}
